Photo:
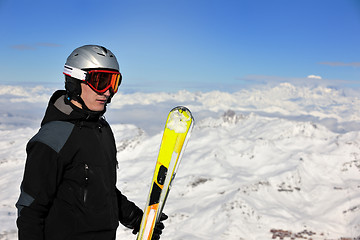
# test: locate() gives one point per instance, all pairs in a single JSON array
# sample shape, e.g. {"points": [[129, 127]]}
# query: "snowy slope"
{"points": [[262, 163]]}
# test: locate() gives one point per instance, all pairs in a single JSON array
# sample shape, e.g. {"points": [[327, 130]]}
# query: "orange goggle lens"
{"points": [[102, 80]]}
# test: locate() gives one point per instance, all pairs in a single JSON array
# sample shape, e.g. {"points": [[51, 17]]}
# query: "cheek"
{"points": [[87, 94]]}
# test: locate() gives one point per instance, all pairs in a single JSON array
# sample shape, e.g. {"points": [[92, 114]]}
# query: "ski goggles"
{"points": [[99, 80]]}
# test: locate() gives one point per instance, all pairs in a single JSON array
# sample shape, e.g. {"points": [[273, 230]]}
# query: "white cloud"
{"points": [[314, 77]]}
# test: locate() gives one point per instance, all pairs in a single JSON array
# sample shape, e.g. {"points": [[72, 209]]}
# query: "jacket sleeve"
{"points": [[37, 190], [129, 214], [43, 172]]}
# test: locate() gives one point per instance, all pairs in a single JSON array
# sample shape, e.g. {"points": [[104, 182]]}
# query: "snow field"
{"points": [[262, 163]]}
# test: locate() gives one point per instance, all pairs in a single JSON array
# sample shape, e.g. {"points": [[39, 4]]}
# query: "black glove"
{"points": [[159, 226], [137, 223]]}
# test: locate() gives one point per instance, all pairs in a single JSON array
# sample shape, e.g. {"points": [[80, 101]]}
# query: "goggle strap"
{"points": [[75, 72]]}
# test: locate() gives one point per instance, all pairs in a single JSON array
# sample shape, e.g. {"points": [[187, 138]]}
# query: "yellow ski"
{"points": [[177, 131]]}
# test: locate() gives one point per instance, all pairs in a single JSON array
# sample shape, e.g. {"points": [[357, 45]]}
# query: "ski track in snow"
{"points": [[279, 162]]}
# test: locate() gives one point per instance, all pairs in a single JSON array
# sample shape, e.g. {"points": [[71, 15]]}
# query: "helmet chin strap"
{"points": [[110, 97], [82, 103]]}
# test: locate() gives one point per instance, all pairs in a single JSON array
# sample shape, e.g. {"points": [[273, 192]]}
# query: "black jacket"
{"points": [[69, 185]]}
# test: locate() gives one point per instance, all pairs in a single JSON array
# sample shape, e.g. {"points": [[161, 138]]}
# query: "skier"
{"points": [[69, 184]]}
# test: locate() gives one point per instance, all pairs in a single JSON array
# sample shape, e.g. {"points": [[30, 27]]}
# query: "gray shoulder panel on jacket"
{"points": [[54, 134], [25, 200]]}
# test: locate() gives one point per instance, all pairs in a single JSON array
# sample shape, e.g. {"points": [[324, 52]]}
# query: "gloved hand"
{"points": [[137, 222], [159, 226]]}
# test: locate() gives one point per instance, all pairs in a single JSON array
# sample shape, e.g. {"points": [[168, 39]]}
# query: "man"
{"points": [[69, 185]]}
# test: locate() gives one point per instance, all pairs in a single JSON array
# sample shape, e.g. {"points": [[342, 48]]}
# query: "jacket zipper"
{"points": [[86, 181]]}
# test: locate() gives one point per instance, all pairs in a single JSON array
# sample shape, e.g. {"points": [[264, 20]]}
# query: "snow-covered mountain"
{"points": [[279, 162]]}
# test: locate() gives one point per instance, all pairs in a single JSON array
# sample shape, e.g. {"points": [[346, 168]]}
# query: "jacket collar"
{"points": [[60, 108]]}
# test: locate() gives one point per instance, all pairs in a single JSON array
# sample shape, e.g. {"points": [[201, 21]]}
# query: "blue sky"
{"points": [[198, 45]]}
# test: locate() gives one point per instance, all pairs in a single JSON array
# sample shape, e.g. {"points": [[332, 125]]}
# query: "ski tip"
{"points": [[180, 120], [182, 109]]}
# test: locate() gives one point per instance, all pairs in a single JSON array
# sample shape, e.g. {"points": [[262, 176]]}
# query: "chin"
{"points": [[97, 108]]}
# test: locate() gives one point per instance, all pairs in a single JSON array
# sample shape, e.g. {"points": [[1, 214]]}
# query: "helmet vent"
{"points": [[101, 54], [104, 49]]}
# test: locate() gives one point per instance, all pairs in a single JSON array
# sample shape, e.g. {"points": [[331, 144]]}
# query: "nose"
{"points": [[107, 93]]}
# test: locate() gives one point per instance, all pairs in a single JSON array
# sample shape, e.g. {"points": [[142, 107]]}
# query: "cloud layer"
{"points": [[22, 47], [341, 64]]}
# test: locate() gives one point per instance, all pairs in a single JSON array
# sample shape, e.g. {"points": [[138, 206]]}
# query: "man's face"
{"points": [[93, 100]]}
